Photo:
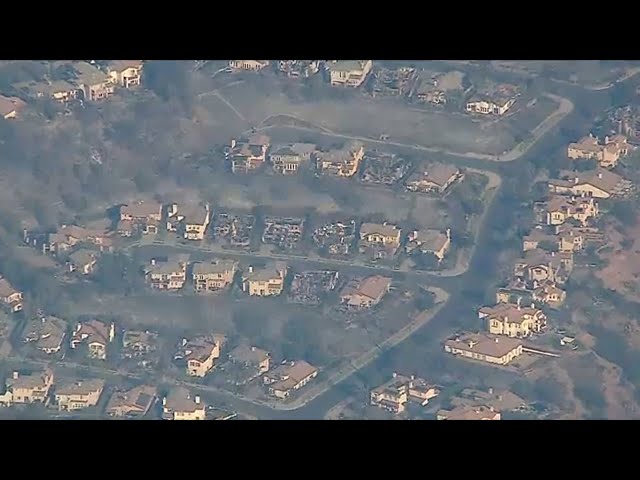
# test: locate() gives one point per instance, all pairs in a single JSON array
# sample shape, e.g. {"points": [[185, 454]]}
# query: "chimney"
{"points": [[15, 375], [600, 175], [500, 398], [575, 180], [490, 390], [153, 261], [394, 375], [533, 305], [164, 401], [449, 233], [250, 269], [496, 340], [413, 377], [197, 399]]}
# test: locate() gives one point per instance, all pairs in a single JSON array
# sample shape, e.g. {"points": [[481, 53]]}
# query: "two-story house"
{"points": [[431, 242], [264, 282], [343, 162], [10, 106], [513, 320], [181, 404], [559, 209], [607, 154], [248, 65], [435, 178], [94, 84], [348, 73], [170, 275], [200, 354], [46, 333], [26, 389], [598, 183], [135, 402], [365, 292], [286, 159], [394, 394], [125, 73], [213, 276], [289, 377], [469, 412], [82, 261], [96, 335], [10, 297], [190, 220], [251, 357], [248, 154], [72, 395], [493, 100], [380, 235], [144, 215], [540, 266]]}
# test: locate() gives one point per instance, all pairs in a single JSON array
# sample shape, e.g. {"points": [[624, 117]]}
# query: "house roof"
{"points": [[267, 273], [193, 214], [393, 384], [5, 288], [296, 371], [141, 209], [285, 151], [512, 313], [137, 400], [381, 229], [10, 104], [89, 75], [47, 332], [33, 381], [83, 257], [94, 331], [167, 268], [80, 387], [180, 399], [346, 65], [602, 178], [121, 65], [467, 412], [80, 233], [485, 344], [371, 287], [218, 266], [303, 148], [248, 354], [132, 337], [431, 240], [200, 349], [440, 173]]}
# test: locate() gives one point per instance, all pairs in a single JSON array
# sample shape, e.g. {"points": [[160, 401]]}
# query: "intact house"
{"points": [[181, 404], [169, 275], [248, 154], [82, 261], [10, 107], [72, 395], [599, 183], [569, 239], [253, 360], [540, 266], [25, 389], [94, 84], [382, 238], [135, 402], [498, 400], [190, 221], [145, 216], [518, 291], [429, 242], [213, 276], [200, 354], [469, 412], [494, 100], [10, 297], [264, 282], [435, 178], [549, 294], [513, 320], [348, 73], [59, 91], [248, 65], [125, 73], [46, 334], [607, 154], [559, 209], [96, 335], [286, 159], [486, 348], [394, 394], [289, 377], [67, 237], [365, 292], [343, 162]]}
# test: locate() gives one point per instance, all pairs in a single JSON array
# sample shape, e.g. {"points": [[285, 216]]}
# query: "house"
{"points": [[26, 389], [366, 292], [125, 228], [180, 404], [599, 183], [499, 400], [125, 73], [549, 293], [10, 297], [382, 235], [394, 394], [558, 209], [251, 357], [248, 65], [494, 100], [286, 159], [213, 276], [265, 281], [479, 412], [137, 343], [436, 178], [513, 320], [299, 68], [83, 261], [94, 84], [170, 275], [141, 212], [96, 335], [248, 154], [131, 403], [539, 266], [10, 106], [433, 242], [568, 239], [517, 290], [69, 236], [200, 354], [438, 87], [607, 154], [60, 91], [485, 348], [348, 73], [72, 395], [192, 220], [340, 163], [288, 377], [46, 334]]}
